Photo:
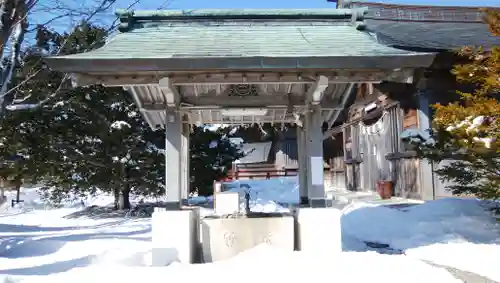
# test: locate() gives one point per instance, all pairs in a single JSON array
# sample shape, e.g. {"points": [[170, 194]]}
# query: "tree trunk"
{"points": [[13, 25], [125, 198], [18, 191], [2, 196], [125, 191], [116, 194]]}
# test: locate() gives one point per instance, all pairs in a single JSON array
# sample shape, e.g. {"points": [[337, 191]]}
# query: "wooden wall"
{"points": [[334, 155], [412, 178], [404, 167]]}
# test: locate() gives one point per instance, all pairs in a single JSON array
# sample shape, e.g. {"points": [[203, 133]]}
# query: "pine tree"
{"points": [[78, 140], [101, 144], [467, 132], [21, 132], [212, 154], [87, 139]]}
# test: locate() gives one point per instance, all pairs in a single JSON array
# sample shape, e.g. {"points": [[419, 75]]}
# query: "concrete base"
{"points": [[227, 202], [170, 206], [175, 236], [320, 203], [319, 229], [224, 238], [307, 202]]}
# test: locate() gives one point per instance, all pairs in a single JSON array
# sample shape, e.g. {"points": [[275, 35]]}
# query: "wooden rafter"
{"points": [[197, 78]]}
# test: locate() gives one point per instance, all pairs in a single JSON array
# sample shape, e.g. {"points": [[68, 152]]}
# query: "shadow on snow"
{"points": [[28, 246]]}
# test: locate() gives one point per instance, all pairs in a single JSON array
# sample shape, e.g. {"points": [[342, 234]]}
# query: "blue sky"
{"points": [[65, 23]]}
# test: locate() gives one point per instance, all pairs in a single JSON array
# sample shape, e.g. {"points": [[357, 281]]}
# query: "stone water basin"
{"points": [[224, 237]]}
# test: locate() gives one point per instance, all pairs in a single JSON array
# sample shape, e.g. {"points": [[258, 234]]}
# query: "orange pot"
{"points": [[384, 189]]}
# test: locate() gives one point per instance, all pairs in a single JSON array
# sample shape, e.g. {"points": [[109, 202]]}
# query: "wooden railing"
{"points": [[260, 173]]}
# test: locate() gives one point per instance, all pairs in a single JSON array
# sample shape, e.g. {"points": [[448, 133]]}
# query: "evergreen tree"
{"points": [[79, 139], [21, 132], [467, 132], [84, 139], [212, 155], [101, 144]]}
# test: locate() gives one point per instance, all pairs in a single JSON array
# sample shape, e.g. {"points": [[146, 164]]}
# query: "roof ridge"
{"points": [[128, 18]]}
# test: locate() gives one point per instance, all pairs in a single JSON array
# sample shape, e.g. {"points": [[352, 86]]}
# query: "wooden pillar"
{"points": [[427, 185], [315, 164], [302, 160], [173, 159], [185, 162]]}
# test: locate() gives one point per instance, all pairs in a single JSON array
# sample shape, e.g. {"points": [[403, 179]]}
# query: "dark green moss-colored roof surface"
{"points": [[202, 35], [427, 27]]}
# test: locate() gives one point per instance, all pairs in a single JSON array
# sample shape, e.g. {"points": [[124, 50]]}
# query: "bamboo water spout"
{"points": [[247, 198]]}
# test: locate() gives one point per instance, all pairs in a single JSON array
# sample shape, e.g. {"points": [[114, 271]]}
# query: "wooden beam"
{"points": [[316, 91], [261, 100], [373, 76], [401, 76], [172, 96], [138, 102], [152, 107], [345, 97], [243, 78], [252, 78]]}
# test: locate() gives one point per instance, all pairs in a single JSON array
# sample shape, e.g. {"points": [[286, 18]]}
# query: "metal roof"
{"points": [[436, 35], [241, 39], [427, 27], [178, 40], [169, 45]]}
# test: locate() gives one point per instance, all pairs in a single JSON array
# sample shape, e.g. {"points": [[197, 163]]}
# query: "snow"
{"points": [[454, 232], [271, 264], [273, 195], [118, 125], [16, 107], [473, 125], [59, 104], [38, 244], [215, 127], [213, 144]]}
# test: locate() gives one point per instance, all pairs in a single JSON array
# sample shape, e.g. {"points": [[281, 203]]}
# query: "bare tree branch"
{"points": [[103, 5], [13, 27]]}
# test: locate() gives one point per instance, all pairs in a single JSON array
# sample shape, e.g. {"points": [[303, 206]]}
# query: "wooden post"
{"points": [[173, 155]]}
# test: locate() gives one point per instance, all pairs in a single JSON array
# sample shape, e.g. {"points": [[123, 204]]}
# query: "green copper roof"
{"points": [[244, 34]]}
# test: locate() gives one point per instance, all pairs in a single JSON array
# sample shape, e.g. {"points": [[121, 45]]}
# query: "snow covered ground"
{"points": [[454, 232], [38, 244]]}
